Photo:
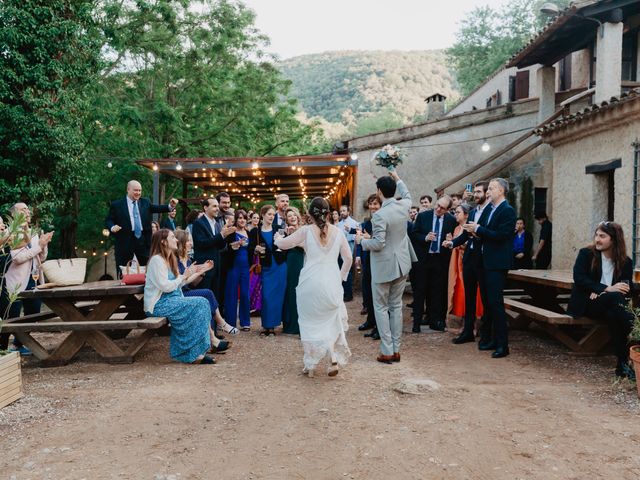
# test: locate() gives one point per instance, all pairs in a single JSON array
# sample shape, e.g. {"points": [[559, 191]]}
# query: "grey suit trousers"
{"points": [[387, 304]]}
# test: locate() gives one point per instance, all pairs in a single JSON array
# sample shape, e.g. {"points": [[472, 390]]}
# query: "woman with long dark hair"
{"points": [[190, 318], [322, 315], [602, 277], [274, 270]]}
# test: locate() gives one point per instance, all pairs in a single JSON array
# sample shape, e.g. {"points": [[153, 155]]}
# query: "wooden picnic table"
{"points": [[89, 312], [546, 303]]}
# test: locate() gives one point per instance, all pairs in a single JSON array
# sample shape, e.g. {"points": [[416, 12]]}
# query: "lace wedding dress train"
{"points": [[322, 315]]}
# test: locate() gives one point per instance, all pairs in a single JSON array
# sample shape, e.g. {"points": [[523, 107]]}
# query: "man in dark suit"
{"points": [[497, 258], [169, 222], [208, 240], [472, 268], [429, 231], [129, 221]]}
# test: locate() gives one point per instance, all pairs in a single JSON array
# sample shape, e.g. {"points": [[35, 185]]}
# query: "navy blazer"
{"points": [[586, 280], [497, 238], [423, 225], [465, 237], [119, 215], [206, 244]]}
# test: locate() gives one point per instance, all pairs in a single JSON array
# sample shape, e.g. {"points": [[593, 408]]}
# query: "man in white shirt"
{"points": [[348, 225]]}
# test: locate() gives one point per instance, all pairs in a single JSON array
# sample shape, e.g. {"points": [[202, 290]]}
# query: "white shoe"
{"points": [[228, 329]]}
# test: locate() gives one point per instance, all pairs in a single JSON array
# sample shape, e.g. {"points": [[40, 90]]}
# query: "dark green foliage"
{"points": [[50, 53]]}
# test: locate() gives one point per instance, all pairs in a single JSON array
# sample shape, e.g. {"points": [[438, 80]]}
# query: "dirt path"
{"points": [[538, 414]]}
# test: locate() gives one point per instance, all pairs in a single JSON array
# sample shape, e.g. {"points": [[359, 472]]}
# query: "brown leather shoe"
{"points": [[396, 357], [385, 358]]}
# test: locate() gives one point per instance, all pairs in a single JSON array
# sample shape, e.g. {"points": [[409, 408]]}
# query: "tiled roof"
{"points": [[631, 95], [553, 24]]}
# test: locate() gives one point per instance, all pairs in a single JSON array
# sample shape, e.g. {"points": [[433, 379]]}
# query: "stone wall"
{"points": [[580, 200]]}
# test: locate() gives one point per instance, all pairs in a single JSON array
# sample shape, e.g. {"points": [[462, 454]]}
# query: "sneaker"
{"points": [[23, 351]]}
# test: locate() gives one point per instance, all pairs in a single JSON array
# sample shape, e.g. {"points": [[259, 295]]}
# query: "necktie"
{"points": [[433, 248], [137, 225]]}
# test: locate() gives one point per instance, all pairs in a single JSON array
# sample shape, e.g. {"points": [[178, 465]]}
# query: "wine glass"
{"points": [[35, 272]]}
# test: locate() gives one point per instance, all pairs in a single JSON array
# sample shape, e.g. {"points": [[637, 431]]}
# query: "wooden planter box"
{"points": [[10, 379]]}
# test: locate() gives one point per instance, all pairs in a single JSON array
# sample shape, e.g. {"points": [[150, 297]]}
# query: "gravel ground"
{"points": [[538, 414]]}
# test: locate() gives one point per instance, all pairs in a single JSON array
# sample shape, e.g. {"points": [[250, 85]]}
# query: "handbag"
{"points": [[256, 267], [65, 272], [137, 278]]}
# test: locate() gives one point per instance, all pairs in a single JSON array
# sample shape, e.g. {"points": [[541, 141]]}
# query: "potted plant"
{"points": [[11, 235]]}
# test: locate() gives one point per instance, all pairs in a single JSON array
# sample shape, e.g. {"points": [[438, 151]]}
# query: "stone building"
{"points": [[563, 140]]}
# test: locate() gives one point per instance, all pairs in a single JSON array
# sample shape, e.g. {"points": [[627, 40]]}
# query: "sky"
{"points": [[298, 27]]}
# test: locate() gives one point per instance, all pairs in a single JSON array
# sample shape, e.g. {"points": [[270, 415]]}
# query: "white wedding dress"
{"points": [[322, 315]]}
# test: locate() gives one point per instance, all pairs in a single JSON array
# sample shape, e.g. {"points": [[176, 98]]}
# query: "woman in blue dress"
{"points": [[274, 270], [237, 284], [190, 318]]}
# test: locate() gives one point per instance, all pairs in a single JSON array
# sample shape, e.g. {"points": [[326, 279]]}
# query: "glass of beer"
{"points": [[636, 275]]}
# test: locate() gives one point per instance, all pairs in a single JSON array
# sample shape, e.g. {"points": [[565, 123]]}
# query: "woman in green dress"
{"points": [[295, 261]]}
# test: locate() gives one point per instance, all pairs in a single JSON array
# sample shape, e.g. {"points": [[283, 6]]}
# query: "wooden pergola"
{"points": [[260, 179]]}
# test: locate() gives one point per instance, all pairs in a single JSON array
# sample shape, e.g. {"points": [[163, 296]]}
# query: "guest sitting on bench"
{"points": [[602, 277], [190, 317]]}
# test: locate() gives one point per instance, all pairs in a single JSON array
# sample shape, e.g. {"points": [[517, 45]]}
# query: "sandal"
{"points": [[221, 348], [228, 329], [265, 333], [245, 329], [206, 360]]}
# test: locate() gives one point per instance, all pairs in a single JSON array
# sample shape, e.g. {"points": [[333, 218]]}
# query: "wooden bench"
{"points": [[90, 333], [592, 337]]}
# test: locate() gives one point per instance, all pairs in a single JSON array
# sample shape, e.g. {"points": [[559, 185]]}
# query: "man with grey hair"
{"points": [[129, 221], [496, 237]]}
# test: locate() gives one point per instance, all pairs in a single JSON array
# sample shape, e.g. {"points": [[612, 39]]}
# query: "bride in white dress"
{"points": [[322, 314]]}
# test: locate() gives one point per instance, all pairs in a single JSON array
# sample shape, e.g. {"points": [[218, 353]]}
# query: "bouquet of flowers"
{"points": [[389, 157]]}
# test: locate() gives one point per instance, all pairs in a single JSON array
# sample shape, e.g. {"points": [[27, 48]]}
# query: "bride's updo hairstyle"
{"points": [[319, 211]]}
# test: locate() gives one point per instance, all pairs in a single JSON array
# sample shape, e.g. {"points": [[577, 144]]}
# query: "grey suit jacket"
{"points": [[391, 250]]}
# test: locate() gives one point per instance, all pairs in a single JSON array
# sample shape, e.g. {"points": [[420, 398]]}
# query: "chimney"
{"points": [[435, 106]]}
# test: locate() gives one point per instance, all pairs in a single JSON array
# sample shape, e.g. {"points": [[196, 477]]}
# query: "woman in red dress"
{"points": [[455, 319]]}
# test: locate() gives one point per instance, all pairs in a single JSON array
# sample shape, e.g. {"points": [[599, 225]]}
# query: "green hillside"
{"points": [[349, 86]]}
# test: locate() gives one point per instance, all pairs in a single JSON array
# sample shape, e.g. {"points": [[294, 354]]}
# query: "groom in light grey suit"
{"points": [[391, 258]]}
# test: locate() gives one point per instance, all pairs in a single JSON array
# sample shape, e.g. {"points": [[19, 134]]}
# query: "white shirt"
{"points": [[351, 223], [607, 271], [478, 212], [130, 207], [157, 282], [213, 223], [433, 229]]}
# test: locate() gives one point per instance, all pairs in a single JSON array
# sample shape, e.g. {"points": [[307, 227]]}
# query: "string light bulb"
{"points": [[155, 166], [485, 146], [178, 166]]}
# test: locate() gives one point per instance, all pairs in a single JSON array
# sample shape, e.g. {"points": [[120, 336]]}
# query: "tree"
{"points": [[50, 53], [488, 37]]}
